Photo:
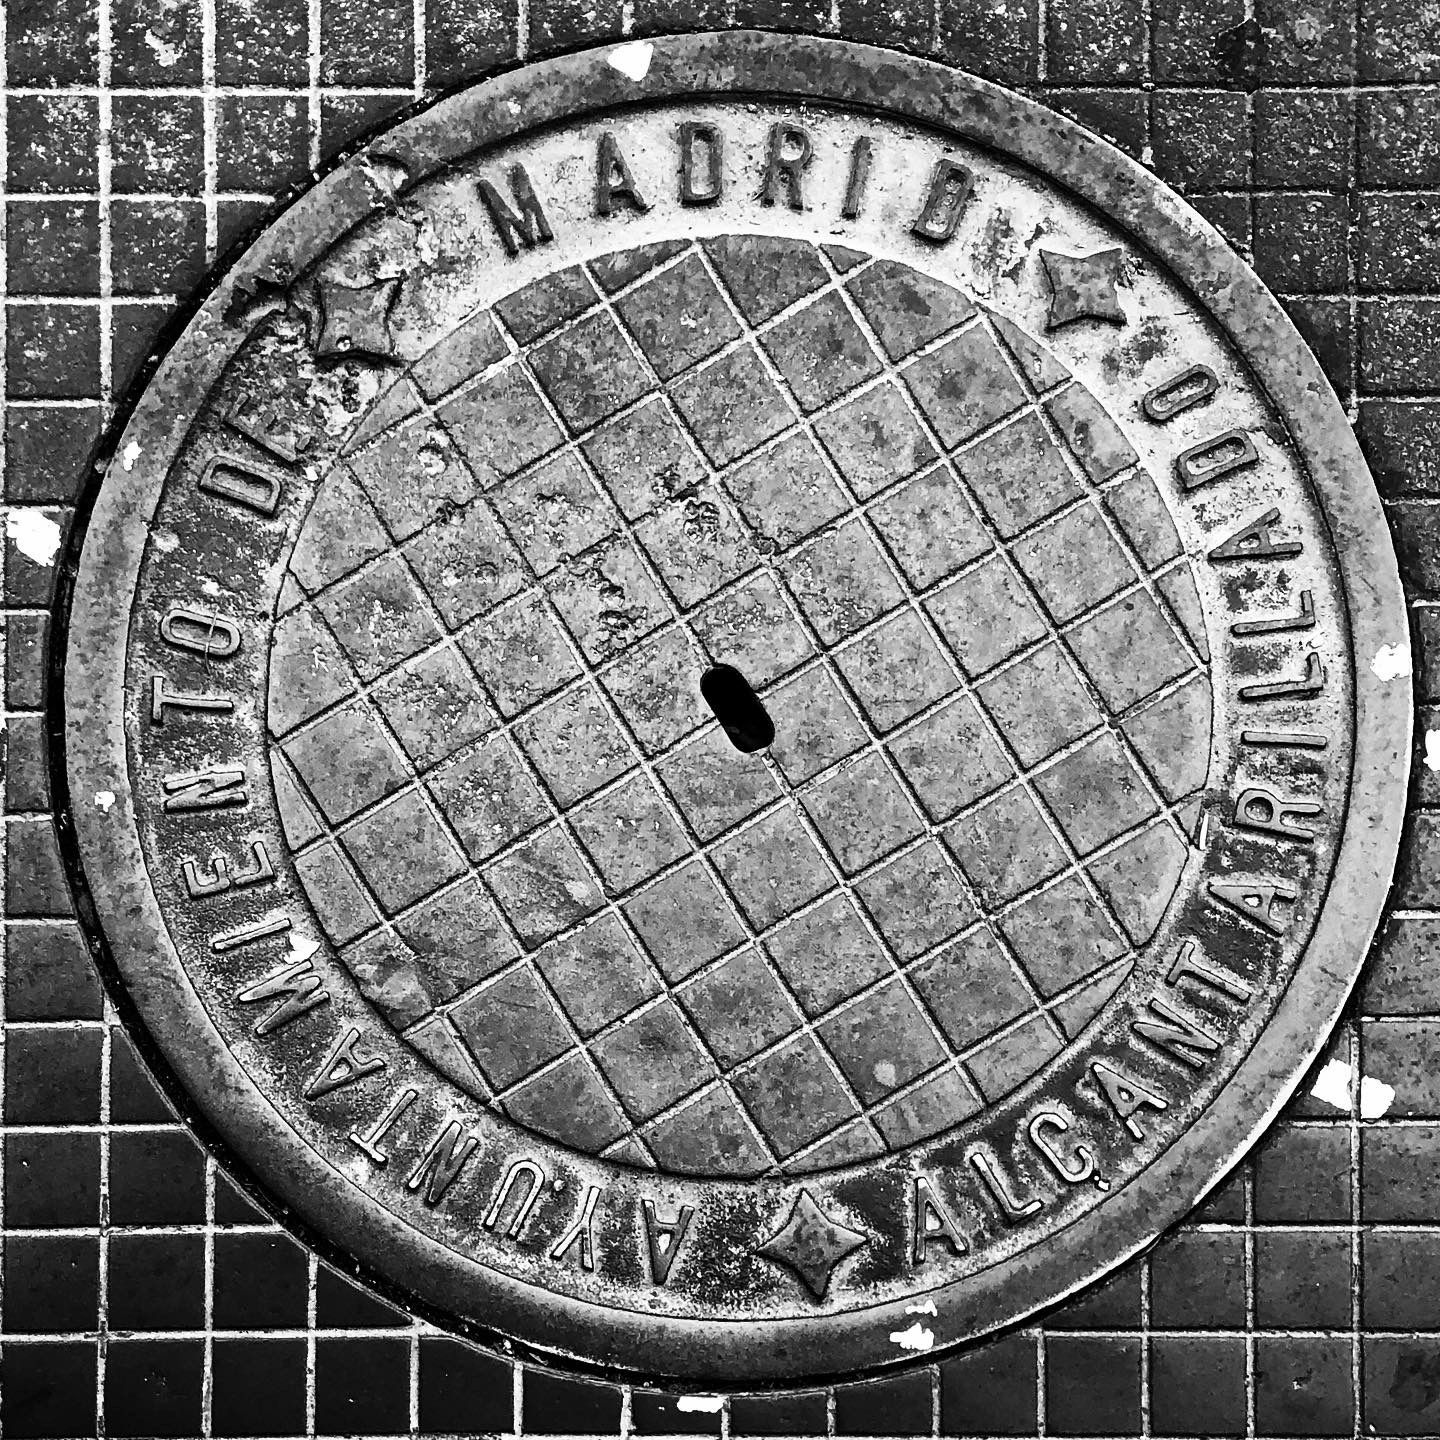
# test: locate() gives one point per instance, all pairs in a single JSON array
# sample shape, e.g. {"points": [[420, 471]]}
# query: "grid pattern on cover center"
{"points": [[934, 557]]}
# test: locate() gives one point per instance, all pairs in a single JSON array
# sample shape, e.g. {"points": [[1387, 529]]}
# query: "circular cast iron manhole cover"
{"points": [[736, 708]]}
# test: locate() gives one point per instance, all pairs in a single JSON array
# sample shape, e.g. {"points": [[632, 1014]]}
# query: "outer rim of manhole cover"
{"points": [[122, 916]]}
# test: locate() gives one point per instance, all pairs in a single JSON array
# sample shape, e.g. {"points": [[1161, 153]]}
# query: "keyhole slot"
{"points": [[740, 711]]}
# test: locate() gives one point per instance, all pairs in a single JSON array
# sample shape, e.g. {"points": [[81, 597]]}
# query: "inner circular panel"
{"points": [[929, 559]]}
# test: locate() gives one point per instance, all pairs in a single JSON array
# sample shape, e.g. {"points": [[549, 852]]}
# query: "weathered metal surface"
{"points": [[752, 706]]}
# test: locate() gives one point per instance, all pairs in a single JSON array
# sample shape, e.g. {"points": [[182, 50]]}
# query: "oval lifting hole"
{"points": [[738, 708]]}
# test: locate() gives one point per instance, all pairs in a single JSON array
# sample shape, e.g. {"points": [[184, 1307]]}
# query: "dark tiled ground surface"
{"points": [[142, 1296]]}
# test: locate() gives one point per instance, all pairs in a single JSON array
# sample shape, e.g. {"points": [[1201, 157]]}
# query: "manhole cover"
{"points": [[755, 721]]}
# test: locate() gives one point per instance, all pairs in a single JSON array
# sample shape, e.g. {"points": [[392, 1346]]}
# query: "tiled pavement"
{"points": [[142, 1296]]}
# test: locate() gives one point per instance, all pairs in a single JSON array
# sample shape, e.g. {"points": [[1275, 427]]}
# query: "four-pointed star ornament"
{"points": [[355, 320], [1083, 287], [812, 1244]]}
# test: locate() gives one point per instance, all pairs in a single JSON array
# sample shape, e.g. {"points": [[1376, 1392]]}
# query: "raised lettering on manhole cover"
{"points": [[747, 702]]}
